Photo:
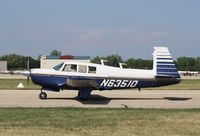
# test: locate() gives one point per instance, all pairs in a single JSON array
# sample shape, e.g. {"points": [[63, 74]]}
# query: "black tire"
{"points": [[82, 98], [43, 95]]}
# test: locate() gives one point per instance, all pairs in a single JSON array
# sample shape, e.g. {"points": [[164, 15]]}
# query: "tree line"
{"points": [[19, 62], [182, 63]]}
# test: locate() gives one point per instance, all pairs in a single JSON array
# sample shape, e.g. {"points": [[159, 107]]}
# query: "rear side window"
{"points": [[92, 69], [70, 68], [82, 69]]}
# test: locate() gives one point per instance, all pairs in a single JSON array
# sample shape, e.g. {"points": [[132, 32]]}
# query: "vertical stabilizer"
{"points": [[163, 64]]}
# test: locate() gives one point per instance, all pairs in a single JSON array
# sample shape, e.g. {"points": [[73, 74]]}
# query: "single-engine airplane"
{"points": [[86, 77]]}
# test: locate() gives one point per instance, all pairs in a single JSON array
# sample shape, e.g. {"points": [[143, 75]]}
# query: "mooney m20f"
{"points": [[86, 77]]}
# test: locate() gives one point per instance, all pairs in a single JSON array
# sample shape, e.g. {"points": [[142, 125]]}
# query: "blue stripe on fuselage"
{"points": [[47, 81], [57, 82], [144, 84]]}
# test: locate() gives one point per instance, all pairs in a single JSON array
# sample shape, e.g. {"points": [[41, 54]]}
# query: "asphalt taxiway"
{"points": [[104, 99]]}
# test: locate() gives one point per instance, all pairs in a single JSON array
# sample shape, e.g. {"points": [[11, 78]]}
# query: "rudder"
{"points": [[163, 64]]}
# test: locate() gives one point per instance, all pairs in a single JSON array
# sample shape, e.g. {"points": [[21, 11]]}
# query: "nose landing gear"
{"points": [[42, 95]]}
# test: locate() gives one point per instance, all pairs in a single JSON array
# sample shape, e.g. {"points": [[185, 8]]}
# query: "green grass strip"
{"points": [[98, 122]]}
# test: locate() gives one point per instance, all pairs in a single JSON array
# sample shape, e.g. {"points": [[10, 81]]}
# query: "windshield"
{"points": [[58, 67]]}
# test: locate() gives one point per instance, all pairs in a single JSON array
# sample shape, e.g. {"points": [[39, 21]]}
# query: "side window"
{"points": [[70, 68], [92, 69], [82, 69]]}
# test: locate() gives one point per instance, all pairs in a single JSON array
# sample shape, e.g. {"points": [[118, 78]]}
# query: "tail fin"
{"points": [[163, 64]]}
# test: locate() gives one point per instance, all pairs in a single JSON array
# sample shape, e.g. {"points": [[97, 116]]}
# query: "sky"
{"points": [[129, 28]]}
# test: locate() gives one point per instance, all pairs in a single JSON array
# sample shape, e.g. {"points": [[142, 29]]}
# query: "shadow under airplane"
{"points": [[101, 100]]}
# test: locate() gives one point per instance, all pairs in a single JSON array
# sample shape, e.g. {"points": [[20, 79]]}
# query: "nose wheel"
{"points": [[42, 95]]}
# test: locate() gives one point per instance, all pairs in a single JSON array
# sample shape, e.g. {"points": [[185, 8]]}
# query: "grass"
{"points": [[10, 84], [98, 122]]}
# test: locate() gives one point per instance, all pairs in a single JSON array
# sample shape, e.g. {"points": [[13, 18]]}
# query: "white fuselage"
{"points": [[101, 71]]}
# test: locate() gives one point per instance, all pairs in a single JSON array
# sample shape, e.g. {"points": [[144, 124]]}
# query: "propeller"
{"points": [[28, 68], [27, 72]]}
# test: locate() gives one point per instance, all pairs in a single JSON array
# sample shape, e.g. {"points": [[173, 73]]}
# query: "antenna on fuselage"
{"points": [[122, 64], [102, 62]]}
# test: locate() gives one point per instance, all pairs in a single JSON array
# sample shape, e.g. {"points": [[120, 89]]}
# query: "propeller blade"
{"points": [[26, 73], [28, 77]]}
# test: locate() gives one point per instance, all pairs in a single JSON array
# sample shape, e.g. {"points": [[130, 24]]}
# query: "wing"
{"points": [[82, 82]]}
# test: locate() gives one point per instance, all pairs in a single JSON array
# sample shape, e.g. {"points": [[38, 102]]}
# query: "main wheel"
{"points": [[82, 98], [84, 94], [43, 95]]}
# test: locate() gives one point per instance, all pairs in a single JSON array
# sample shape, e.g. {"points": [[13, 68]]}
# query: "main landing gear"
{"points": [[42, 95], [84, 94]]}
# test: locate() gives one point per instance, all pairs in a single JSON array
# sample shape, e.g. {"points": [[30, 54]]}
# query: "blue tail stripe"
{"points": [[164, 59], [164, 62], [170, 74], [160, 55], [166, 66], [167, 70], [167, 73]]}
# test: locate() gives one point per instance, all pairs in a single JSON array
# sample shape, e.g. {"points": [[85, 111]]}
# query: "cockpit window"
{"points": [[70, 68], [58, 67], [92, 69]]}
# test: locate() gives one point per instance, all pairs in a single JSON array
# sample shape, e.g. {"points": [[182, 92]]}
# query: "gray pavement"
{"points": [[105, 99]]}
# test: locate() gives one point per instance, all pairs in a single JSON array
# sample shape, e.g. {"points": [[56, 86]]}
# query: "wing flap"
{"points": [[89, 83]]}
